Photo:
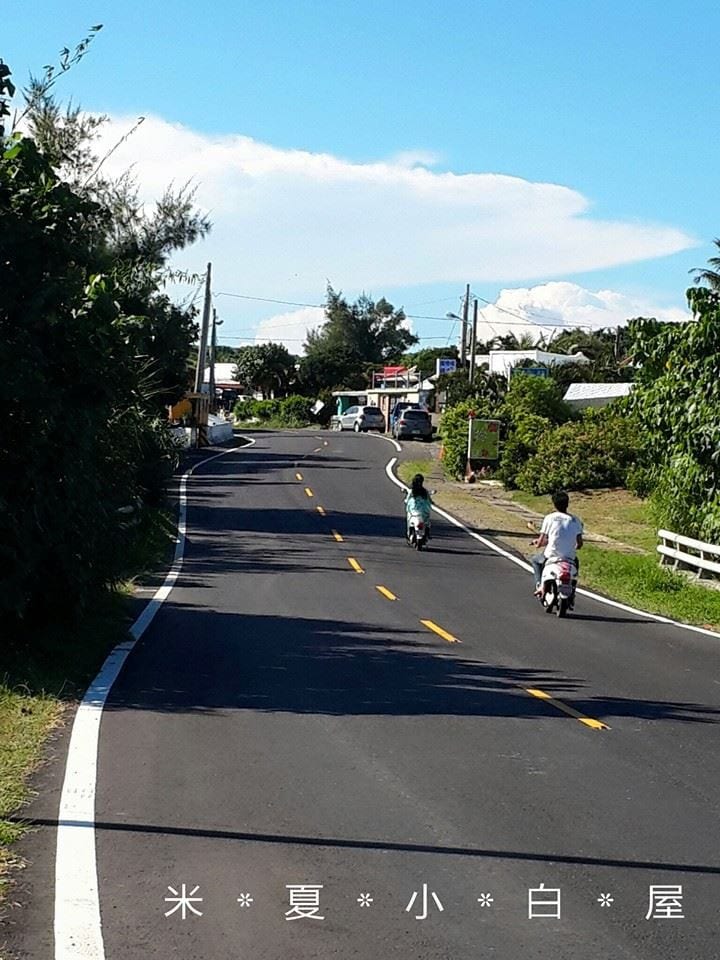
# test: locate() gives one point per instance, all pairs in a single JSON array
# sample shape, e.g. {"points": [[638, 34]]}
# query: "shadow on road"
{"points": [[206, 661]]}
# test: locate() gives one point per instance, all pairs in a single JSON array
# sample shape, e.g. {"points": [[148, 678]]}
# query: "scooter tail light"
{"points": [[421, 525]]}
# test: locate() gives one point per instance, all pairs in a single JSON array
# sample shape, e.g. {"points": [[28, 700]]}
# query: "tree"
{"points": [[353, 339], [91, 348], [709, 275], [677, 403], [525, 341], [424, 360], [265, 367]]}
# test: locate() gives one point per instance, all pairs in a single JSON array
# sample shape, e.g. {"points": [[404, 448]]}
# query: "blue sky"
{"points": [[615, 103]]}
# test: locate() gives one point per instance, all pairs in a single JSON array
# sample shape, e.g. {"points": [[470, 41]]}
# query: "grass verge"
{"points": [[43, 671], [641, 582], [408, 468]]}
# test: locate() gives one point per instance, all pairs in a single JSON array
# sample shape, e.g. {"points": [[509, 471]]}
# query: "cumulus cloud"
{"points": [[285, 220], [550, 305], [290, 329]]}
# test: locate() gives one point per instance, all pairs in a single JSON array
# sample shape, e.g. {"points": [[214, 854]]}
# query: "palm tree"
{"points": [[711, 276]]}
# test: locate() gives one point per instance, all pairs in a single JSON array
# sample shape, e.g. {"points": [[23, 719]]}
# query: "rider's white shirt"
{"points": [[562, 531]]}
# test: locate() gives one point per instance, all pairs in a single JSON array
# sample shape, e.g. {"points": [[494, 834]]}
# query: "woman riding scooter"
{"points": [[418, 500]]}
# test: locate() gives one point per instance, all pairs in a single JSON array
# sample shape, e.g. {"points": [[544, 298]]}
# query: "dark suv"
{"points": [[413, 424]]}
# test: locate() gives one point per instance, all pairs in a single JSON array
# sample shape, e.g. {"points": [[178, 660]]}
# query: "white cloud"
{"points": [[566, 304], [286, 220], [290, 328]]}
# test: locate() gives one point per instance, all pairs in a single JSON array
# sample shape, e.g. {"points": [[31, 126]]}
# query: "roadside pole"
{"points": [[463, 341], [473, 342], [200, 408], [213, 346]]}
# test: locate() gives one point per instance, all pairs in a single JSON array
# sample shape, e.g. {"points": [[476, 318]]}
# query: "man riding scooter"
{"points": [[561, 535]]}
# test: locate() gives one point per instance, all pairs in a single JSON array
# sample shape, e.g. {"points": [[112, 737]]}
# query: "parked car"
{"points": [[362, 419], [398, 409], [413, 424]]}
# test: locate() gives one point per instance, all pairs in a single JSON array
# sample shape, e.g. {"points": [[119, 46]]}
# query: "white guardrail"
{"points": [[686, 552]]}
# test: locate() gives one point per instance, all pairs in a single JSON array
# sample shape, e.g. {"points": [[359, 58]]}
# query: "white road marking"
{"points": [[78, 928], [526, 566]]}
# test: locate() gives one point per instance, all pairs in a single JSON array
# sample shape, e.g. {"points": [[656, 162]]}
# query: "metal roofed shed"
{"points": [[583, 395]]}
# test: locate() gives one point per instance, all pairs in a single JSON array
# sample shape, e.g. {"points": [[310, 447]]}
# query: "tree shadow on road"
{"points": [[205, 660]]}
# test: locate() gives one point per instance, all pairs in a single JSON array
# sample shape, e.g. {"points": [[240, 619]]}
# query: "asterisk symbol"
{"points": [[245, 900], [365, 900], [485, 900], [605, 900]]}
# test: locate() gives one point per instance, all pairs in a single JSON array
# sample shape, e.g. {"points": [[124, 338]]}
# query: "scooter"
{"points": [[559, 581], [418, 530]]}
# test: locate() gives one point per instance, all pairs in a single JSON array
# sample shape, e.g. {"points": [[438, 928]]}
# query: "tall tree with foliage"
{"points": [[353, 339], [677, 403], [268, 368], [89, 345]]}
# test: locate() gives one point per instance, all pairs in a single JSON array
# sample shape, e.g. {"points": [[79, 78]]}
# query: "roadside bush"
{"points": [[681, 502], [529, 395], [454, 430], [244, 409], [598, 451], [521, 444], [295, 411]]}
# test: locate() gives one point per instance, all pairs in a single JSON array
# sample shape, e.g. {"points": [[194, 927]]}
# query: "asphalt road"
{"points": [[285, 722]]}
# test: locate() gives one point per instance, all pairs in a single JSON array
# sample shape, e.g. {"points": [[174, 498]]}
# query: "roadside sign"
{"points": [[483, 439], [317, 407], [445, 365], [531, 371]]}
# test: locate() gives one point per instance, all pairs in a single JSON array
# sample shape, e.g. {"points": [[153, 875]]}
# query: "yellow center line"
{"points": [[439, 631], [317, 449], [325, 443], [355, 565], [298, 476], [337, 536], [570, 711], [308, 491], [386, 593], [321, 511]]}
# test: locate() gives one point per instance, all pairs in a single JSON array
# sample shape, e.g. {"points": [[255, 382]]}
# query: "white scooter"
{"points": [[418, 530], [559, 581]]}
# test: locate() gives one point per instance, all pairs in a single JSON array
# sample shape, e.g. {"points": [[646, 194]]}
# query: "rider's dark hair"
{"points": [[417, 487], [561, 501]]}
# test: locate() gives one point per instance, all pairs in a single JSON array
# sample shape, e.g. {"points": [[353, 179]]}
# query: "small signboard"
{"points": [[530, 371], [317, 407], [445, 365], [483, 439]]}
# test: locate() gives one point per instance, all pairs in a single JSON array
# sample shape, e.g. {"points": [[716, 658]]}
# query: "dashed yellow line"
{"points": [[386, 593], [570, 711], [317, 449], [325, 443], [321, 511], [309, 492], [298, 476], [439, 631], [338, 536], [355, 565]]}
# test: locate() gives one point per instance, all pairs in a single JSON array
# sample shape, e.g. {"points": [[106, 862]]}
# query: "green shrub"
{"points": [[681, 502], [454, 429], [597, 451], [295, 411], [536, 396], [244, 409], [521, 444]]}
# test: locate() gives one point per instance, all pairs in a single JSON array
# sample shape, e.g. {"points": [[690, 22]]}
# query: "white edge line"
{"points": [[389, 470], [77, 923]]}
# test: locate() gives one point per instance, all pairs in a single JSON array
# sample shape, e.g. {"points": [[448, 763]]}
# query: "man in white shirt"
{"points": [[561, 535]]}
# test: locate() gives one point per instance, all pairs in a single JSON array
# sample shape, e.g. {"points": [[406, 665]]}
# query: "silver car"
{"points": [[361, 419]]}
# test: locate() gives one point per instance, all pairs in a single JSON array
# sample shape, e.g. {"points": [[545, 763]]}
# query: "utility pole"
{"points": [[213, 346], [202, 349], [473, 342], [463, 342]]}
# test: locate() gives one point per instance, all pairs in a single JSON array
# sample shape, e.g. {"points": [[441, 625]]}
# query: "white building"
{"points": [[502, 361]]}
